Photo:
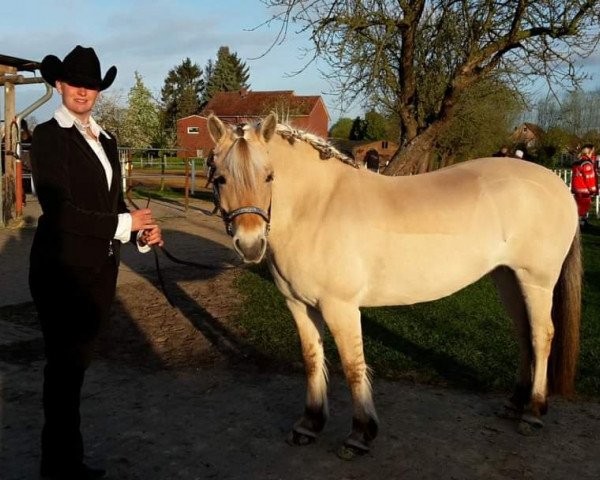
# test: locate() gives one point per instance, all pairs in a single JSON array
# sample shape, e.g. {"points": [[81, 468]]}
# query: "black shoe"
{"points": [[81, 472]]}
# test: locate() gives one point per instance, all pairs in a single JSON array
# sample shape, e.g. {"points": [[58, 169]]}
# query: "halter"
{"points": [[229, 216]]}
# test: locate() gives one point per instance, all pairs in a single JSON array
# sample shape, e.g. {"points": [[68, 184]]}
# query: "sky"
{"points": [[152, 37]]}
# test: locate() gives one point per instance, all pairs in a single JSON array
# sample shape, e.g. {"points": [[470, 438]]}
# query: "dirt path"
{"points": [[173, 394]]}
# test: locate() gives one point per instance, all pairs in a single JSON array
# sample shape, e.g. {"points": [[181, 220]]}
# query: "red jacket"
{"points": [[584, 177]]}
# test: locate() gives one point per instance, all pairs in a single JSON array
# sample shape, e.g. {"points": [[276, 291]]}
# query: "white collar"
{"points": [[66, 120]]}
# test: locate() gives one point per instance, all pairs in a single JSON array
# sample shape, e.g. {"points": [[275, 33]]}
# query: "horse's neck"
{"points": [[301, 184]]}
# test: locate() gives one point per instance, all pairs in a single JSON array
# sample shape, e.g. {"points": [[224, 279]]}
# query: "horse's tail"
{"points": [[566, 316]]}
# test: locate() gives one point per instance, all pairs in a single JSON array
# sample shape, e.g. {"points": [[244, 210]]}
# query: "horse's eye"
{"points": [[220, 180], [269, 178]]}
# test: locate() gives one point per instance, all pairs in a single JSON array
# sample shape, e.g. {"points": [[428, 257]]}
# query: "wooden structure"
{"points": [[11, 184], [357, 149]]}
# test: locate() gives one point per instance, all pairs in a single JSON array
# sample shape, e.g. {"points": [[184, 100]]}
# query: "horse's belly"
{"points": [[423, 274]]}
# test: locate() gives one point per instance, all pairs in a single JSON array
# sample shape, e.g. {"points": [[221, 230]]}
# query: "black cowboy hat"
{"points": [[80, 68]]}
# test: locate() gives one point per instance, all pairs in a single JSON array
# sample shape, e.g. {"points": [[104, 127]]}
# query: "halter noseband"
{"points": [[229, 216]]}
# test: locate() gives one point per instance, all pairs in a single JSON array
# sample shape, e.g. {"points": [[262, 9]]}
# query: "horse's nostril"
{"points": [[237, 242]]}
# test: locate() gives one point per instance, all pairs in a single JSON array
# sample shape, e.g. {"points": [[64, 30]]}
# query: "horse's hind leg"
{"points": [[539, 308], [310, 328], [512, 298], [343, 321]]}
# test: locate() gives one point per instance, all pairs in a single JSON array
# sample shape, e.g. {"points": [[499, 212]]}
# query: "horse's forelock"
{"points": [[244, 163]]}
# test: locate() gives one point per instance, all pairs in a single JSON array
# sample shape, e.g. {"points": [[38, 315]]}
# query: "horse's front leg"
{"points": [[343, 321], [310, 328]]}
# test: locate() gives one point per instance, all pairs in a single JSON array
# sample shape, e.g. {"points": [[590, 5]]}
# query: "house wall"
{"points": [[385, 149], [317, 122], [193, 144]]}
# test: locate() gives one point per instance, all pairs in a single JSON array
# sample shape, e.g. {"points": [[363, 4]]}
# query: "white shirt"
{"points": [[66, 120]]}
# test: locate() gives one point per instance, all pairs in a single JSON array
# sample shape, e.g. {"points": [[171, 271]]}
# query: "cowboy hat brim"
{"points": [[52, 69]]}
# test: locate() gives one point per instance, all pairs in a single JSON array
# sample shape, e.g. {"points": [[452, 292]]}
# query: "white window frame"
{"points": [[193, 130]]}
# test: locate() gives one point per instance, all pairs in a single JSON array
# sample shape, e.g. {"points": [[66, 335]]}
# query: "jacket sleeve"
{"points": [[52, 177]]}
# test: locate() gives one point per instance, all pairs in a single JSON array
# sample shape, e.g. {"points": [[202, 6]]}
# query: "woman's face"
{"points": [[79, 100]]}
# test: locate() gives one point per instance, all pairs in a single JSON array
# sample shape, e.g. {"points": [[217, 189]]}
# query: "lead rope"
{"points": [[173, 258]]}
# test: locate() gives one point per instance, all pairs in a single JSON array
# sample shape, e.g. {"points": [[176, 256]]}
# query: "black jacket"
{"points": [[79, 212]]}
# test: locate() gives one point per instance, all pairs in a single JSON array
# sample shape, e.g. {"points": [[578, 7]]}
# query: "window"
{"points": [[384, 144], [193, 130]]}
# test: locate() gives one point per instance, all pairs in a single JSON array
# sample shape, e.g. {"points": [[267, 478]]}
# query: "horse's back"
{"points": [[438, 232]]}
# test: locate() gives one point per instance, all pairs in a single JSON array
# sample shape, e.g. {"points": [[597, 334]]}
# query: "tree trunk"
{"points": [[416, 156]]}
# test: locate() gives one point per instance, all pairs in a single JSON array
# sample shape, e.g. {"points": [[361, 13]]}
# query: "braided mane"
{"points": [[326, 150]]}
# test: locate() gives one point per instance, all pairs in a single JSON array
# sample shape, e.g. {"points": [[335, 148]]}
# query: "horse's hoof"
{"points": [[530, 426], [300, 439], [510, 411], [349, 451]]}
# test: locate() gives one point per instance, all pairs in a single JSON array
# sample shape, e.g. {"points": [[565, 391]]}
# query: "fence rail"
{"points": [[159, 168]]}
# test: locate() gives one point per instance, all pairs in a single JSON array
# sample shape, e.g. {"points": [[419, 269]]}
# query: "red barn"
{"points": [[307, 113], [193, 139]]}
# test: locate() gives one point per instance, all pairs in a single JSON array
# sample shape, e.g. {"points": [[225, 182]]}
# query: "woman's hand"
{"points": [[151, 235], [141, 219]]}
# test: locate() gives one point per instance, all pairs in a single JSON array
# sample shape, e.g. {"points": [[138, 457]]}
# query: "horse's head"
{"points": [[242, 183]]}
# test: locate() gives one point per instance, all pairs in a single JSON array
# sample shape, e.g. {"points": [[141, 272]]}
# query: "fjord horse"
{"points": [[337, 238]]}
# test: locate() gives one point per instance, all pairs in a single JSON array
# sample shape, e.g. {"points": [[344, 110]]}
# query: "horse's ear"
{"points": [[268, 126], [216, 128]]}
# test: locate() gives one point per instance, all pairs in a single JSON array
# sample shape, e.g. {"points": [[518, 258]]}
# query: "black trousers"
{"points": [[73, 304]]}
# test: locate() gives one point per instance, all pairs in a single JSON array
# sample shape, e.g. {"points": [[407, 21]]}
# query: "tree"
{"points": [[341, 128], [376, 126], [577, 111], [357, 131], [109, 112], [479, 127], [181, 94], [141, 126], [417, 58], [227, 74]]}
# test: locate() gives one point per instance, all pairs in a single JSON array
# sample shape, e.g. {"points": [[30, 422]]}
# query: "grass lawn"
{"points": [[465, 340]]}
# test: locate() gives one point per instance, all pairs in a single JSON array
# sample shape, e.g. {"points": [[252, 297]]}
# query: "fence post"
{"points": [[162, 171], [193, 183], [187, 183]]}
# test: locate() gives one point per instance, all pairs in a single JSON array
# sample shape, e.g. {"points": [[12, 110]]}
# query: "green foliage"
{"points": [[141, 127], [358, 129], [465, 340], [341, 128], [227, 74], [376, 126], [479, 127], [181, 93]]}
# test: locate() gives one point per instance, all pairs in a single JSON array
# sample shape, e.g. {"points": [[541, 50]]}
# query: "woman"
{"points": [[75, 253], [584, 183]]}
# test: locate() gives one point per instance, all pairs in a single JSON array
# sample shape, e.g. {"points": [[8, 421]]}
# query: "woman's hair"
{"points": [[587, 150]]}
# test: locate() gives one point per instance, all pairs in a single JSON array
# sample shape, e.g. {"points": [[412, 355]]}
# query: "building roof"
{"points": [[19, 63], [190, 116], [245, 103]]}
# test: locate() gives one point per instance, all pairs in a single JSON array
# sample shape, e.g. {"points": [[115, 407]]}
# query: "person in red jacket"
{"points": [[584, 184]]}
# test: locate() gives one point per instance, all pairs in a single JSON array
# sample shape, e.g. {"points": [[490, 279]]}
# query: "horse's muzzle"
{"points": [[250, 248]]}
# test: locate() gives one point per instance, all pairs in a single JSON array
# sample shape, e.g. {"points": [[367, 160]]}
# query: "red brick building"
{"points": [[193, 139], [307, 113]]}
